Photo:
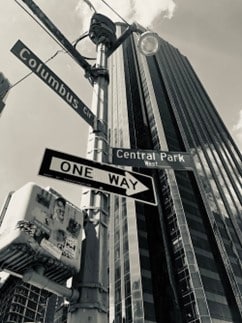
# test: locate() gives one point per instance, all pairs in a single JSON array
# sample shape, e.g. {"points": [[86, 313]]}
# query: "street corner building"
{"points": [[180, 261]]}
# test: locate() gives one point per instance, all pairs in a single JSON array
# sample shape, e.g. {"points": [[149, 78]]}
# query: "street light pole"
{"points": [[92, 282]]}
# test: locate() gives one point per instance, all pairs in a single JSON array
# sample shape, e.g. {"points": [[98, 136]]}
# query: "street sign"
{"points": [[152, 159], [98, 176], [53, 81]]}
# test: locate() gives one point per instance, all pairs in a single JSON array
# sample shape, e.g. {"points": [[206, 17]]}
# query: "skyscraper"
{"points": [[180, 261]]}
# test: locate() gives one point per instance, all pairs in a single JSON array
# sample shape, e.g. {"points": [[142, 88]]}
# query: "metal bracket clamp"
{"points": [[96, 305], [98, 286], [99, 126], [102, 138], [99, 222], [95, 192], [98, 150], [104, 150], [74, 306], [95, 209], [94, 73]]}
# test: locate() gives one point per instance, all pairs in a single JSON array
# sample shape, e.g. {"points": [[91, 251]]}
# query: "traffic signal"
{"points": [[4, 88]]}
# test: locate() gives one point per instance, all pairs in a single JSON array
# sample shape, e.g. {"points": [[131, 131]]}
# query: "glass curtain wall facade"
{"points": [[21, 302], [180, 261]]}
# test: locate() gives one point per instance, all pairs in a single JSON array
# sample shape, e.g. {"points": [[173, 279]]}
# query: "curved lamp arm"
{"points": [[148, 42]]}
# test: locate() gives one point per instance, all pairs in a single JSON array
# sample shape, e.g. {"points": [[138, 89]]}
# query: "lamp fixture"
{"points": [[148, 43]]}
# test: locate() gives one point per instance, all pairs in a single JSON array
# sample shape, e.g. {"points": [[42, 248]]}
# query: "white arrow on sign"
{"points": [[126, 182], [139, 187]]}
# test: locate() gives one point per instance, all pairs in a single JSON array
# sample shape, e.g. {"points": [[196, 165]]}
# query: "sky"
{"points": [[35, 118]]}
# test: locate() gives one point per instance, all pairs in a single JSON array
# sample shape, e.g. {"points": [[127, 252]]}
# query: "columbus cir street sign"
{"points": [[98, 176], [53, 81], [151, 159]]}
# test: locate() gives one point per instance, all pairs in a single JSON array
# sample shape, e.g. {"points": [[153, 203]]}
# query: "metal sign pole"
{"points": [[92, 282]]}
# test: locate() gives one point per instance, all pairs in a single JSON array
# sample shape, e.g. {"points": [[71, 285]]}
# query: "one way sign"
{"points": [[99, 176]]}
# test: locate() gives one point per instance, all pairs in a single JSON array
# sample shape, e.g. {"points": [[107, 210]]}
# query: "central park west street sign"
{"points": [[98, 176], [151, 159]]}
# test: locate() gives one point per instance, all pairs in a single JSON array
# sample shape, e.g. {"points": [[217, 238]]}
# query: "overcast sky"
{"points": [[207, 32]]}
